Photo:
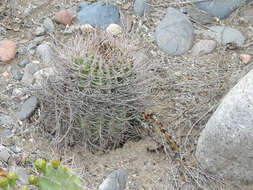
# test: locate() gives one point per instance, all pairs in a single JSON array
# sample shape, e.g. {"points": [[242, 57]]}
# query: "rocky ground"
{"points": [[197, 84]]}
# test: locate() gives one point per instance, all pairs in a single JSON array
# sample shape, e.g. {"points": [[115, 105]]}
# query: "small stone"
{"points": [[203, 47], [115, 181], [28, 108], [5, 74], [44, 51], [23, 63], [4, 154], [114, 29], [16, 74], [174, 34], [40, 31], [63, 17], [49, 25], [245, 58], [7, 50], [141, 7], [30, 69], [87, 28], [43, 75]]}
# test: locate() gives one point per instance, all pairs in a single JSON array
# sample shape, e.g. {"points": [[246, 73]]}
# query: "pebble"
{"points": [[16, 74], [40, 31], [27, 108], [97, 14], [4, 154], [174, 34], [115, 181], [114, 29], [7, 50], [30, 69], [43, 75], [23, 63], [203, 47], [141, 7], [49, 25], [44, 51], [245, 58], [63, 17]]}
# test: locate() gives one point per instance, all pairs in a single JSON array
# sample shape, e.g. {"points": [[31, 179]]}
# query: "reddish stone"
{"points": [[63, 17], [7, 50], [245, 58]]}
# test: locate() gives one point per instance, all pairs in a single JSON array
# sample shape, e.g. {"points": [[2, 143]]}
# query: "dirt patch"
{"points": [[195, 87]]}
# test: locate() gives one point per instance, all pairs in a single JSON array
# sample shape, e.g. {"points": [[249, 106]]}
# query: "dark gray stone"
{"points": [[220, 8], [115, 181], [23, 63], [97, 14], [225, 146], [27, 108], [16, 74], [141, 7], [174, 34]]}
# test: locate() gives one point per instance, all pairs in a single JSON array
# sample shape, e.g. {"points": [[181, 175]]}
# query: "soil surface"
{"points": [[196, 87]]}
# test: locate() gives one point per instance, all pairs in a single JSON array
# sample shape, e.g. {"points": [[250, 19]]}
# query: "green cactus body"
{"points": [[8, 183], [56, 177]]}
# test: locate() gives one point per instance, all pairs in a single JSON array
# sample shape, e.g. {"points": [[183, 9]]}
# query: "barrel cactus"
{"points": [[99, 94]]}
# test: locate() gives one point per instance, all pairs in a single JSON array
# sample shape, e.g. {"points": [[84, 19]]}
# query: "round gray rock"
{"points": [[141, 7], [174, 34], [225, 146]]}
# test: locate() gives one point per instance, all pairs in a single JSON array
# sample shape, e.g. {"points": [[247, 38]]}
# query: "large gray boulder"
{"points": [[174, 34], [225, 146]]}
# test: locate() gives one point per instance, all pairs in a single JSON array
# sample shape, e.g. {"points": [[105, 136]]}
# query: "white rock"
{"points": [[114, 29]]}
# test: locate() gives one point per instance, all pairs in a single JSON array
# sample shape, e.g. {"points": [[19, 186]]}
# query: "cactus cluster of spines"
{"points": [[52, 176], [106, 77], [99, 73]]}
